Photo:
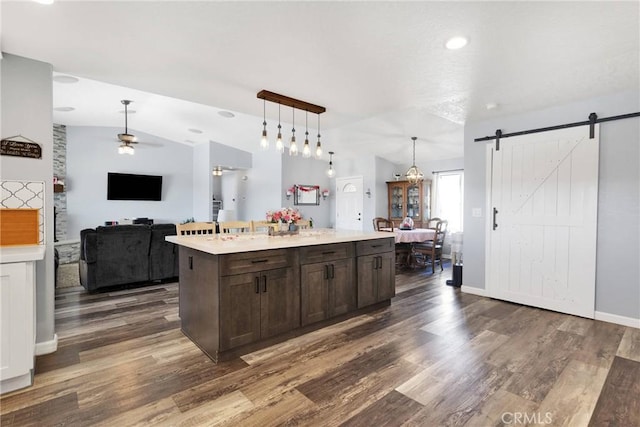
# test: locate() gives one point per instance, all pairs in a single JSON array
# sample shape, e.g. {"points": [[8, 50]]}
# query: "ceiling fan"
{"points": [[126, 138]]}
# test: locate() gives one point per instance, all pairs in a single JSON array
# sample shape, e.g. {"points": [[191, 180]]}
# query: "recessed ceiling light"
{"points": [[189, 141], [492, 105], [194, 130], [128, 111], [44, 1], [226, 114], [65, 79], [64, 109], [456, 42]]}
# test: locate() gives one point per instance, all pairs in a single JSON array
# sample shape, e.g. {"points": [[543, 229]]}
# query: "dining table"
{"points": [[414, 235], [405, 239]]}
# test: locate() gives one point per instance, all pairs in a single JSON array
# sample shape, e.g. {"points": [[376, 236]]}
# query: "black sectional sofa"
{"points": [[124, 254]]}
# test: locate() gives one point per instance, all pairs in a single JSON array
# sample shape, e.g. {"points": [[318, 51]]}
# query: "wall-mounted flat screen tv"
{"points": [[127, 186]]}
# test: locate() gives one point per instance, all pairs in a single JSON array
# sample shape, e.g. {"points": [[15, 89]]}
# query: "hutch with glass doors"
{"points": [[409, 200]]}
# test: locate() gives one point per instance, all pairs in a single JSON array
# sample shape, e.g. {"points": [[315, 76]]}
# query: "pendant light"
{"points": [[306, 150], [414, 175], [279, 143], [293, 147], [318, 145], [331, 172], [264, 142]]}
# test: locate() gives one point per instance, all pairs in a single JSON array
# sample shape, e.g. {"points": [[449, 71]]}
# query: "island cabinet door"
{"points": [[343, 287], [314, 292], [376, 278], [386, 279], [367, 280], [239, 309], [279, 301]]}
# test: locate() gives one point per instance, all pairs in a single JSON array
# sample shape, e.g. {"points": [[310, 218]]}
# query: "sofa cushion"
{"points": [[163, 256]]}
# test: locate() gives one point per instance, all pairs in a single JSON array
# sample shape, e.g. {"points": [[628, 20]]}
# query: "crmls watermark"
{"points": [[526, 418]]}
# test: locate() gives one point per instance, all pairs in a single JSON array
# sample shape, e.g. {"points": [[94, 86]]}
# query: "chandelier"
{"points": [[265, 95], [414, 175]]}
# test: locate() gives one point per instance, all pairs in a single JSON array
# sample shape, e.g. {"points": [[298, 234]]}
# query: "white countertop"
{"points": [[248, 242], [10, 254]]}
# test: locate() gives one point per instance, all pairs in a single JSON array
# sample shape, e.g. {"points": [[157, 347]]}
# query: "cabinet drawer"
{"points": [[249, 262], [367, 247], [322, 253]]}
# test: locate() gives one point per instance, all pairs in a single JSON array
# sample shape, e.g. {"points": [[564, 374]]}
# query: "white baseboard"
{"points": [[474, 291], [47, 347], [620, 320]]}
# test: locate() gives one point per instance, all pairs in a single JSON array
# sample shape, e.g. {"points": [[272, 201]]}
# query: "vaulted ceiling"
{"points": [[380, 68]]}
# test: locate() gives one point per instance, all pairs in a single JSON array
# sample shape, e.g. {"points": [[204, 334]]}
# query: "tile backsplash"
{"points": [[24, 195]]}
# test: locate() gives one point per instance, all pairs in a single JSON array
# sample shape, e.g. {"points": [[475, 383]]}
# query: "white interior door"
{"points": [[349, 203], [544, 188]]}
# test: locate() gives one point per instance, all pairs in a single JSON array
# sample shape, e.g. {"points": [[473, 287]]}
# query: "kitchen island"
{"points": [[242, 292]]}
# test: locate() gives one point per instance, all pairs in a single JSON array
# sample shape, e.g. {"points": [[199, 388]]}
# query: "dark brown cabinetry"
{"points": [[234, 303], [328, 283], [376, 271], [257, 305]]}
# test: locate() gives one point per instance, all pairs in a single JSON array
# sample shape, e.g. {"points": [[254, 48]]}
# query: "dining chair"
{"points": [[303, 224], [195, 228], [235, 226], [432, 222], [431, 250], [379, 223], [263, 225]]}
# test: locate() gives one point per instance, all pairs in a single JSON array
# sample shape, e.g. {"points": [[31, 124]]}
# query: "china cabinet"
{"points": [[409, 200]]}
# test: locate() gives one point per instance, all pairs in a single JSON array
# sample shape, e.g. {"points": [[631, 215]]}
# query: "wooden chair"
{"points": [[379, 223], [235, 226], [432, 223], [195, 228], [303, 224], [432, 249], [263, 225]]}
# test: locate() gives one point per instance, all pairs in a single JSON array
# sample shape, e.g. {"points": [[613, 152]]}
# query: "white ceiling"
{"points": [[380, 69]]}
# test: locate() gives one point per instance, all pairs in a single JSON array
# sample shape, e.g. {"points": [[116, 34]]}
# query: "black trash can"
{"points": [[457, 276]]}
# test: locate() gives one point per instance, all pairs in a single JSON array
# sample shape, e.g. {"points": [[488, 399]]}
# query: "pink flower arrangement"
{"points": [[284, 215]]}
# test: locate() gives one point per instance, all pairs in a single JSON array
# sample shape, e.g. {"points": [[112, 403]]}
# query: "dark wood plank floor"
{"points": [[435, 357]]}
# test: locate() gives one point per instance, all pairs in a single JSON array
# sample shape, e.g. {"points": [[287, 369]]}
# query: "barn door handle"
{"points": [[495, 214]]}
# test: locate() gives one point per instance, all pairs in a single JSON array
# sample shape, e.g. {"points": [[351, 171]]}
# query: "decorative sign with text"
{"points": [[9, 147]]}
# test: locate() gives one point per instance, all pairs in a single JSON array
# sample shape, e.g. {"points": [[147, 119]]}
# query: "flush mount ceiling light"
{"points": [[64, 109], [456, 42], [65, 79], [265, 95], [414, 175], [331, 172]]}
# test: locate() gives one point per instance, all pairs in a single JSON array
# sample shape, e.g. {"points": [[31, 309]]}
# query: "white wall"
{"points": [[301, 171], [202, 183], [618, 252], [264, 185], [26, 106], [92, 152]]}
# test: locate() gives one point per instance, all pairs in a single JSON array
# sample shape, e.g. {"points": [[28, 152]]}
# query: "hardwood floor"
{"points": [[435, 357]]}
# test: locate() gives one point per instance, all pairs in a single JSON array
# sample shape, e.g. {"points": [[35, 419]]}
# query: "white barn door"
{"points": [[544, 192]]}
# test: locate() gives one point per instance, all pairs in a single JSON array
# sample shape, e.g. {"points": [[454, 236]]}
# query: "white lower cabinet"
{"points": [[17, 325]]}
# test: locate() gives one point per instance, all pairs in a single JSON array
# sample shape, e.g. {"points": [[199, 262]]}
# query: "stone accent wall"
{"points": [[60, 171], [69, 252]]}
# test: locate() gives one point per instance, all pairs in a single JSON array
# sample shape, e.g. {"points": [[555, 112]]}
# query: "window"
{"points": [[449, 190]]}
